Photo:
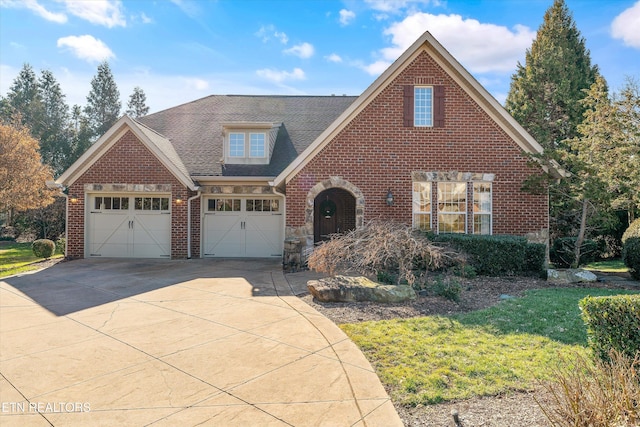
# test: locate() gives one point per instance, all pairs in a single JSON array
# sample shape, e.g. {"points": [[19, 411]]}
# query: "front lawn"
{"points": [[610, 266], [510, 346], [17, 258]]}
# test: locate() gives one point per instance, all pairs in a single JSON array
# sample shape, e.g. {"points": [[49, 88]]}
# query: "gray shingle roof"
{"points": [[195, 129]]}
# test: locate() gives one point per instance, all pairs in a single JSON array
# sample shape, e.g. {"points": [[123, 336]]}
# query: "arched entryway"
{"points": [[334, 212]]}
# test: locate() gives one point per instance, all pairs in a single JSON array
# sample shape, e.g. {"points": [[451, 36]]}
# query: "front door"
{"points": [[334, 212]]}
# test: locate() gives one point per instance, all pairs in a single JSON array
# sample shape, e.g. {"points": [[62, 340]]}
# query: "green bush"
{"points": [[613, 323], [43, 248], [61, 245], [447, 288], [632, 231], [562, 252], [498, 255], [631, 256]]}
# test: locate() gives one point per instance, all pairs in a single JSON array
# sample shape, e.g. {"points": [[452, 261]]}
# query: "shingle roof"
{"points": [[195, 129]]}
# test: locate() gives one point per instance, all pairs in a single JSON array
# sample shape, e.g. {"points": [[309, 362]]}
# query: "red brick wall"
{"points": [[128, 161], [375, 152]]}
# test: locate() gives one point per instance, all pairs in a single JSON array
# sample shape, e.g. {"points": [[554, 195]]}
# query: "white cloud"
{"points": [[479, 47], [346, 16], [100, 12], [189, 8], [303, 50], [145, 19], [196, 83], [267, 31], [626, 26], [334, 57], [86, 47], [37, 8], [396, 6], [279, 76]]}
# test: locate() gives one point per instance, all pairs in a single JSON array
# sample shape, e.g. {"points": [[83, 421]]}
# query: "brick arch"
{"points": [[333, 182]]}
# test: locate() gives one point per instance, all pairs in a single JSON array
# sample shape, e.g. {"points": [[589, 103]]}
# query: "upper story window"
{"points": [[423, 106], [248, 142]]}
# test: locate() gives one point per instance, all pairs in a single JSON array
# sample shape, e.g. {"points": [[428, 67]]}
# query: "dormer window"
{"points": [[249, 143]]}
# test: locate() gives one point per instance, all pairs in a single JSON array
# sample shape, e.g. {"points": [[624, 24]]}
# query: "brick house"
{"points": [[237, 176]]}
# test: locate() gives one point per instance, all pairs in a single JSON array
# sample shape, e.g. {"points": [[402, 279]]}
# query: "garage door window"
{"points": [[223, 205], [263, 205], [151, 203], [111, 203]]}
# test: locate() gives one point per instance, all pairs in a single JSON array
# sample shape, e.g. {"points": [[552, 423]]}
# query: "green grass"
{"points": [[611, 266], [507, 347], [17, 258]]}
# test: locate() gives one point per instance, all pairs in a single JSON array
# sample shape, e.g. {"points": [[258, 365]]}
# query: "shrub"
{"points": [[562, 252], [586, 394], [613, 323], [632, 231], [381, 246], [631, 256], [43, 248], [448, 288], [61, 245], [498, 255]]}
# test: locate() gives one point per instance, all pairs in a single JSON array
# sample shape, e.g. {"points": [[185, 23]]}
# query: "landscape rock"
{"points": [[570, 275], [356, 289]]}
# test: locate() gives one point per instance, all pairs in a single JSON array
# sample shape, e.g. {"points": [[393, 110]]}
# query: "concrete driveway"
{"points": [[176, 343]]}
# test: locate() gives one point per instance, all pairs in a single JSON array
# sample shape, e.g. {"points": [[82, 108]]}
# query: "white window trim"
{"points": [[463, 213], [415, 110], [419, 212], [490, 212], [244, 145], [264, 144]]}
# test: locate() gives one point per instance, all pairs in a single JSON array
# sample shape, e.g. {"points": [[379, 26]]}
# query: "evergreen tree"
{"points": [[52, 128], [544, 98], [137, 105], [544, 93], [23, 98], [79, 132], [103, 102]]}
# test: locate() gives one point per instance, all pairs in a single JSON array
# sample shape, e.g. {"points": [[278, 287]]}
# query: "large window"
{"points": [[452, 207], [422, 205], [423, 106], [482, 208]]}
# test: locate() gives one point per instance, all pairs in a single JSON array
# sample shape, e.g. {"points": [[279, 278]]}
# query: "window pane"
{"points": [[249, 205], [236, 205], [423, 106], [211, 205], [147, 204], [124, 203], [422, 221], [236, 145], [482, 197], [257, 146], [258, 205], [107, 202], [138, 203], [422, 197], [155, 204], [116, 203], [164, 204], [275, 206], [451, 223], [98, 203], [482, 224]]}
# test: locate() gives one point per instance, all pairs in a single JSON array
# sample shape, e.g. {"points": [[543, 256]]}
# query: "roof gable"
{"points": [[160, 146], [426, 43]]}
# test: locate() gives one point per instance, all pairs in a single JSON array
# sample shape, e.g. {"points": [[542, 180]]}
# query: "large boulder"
{"points": [[354, 289], [570, 275]]}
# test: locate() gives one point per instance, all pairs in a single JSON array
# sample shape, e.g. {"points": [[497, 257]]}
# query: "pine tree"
{"points": [[52, 128], [545, 93], [544, 98], [103, 102], [137, 105], [23, 98]]}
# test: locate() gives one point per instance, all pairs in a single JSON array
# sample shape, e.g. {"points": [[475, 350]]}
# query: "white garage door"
{"points": [[125, 226], [242, 227]]}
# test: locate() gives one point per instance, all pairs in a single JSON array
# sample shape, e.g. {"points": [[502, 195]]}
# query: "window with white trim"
{"points": [[482, 208], [422, 205], [423, 106], [236, 144], [452, 207], [257, 145]]}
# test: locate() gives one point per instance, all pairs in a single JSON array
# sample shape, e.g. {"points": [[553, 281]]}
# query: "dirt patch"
{"points": [[514, 409]]}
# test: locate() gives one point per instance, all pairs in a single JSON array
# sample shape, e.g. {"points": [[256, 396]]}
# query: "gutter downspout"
{"points": [[198, 194]]}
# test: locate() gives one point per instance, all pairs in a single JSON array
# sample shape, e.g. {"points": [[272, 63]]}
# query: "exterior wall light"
{"points": [[73, 199], [389, 198], [178, 201]]}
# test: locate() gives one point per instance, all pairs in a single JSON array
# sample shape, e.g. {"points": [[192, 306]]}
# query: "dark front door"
{"points": [[334, 212]]}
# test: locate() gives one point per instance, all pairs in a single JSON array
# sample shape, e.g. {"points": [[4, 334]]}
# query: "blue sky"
{"points": [[181, 50]]}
